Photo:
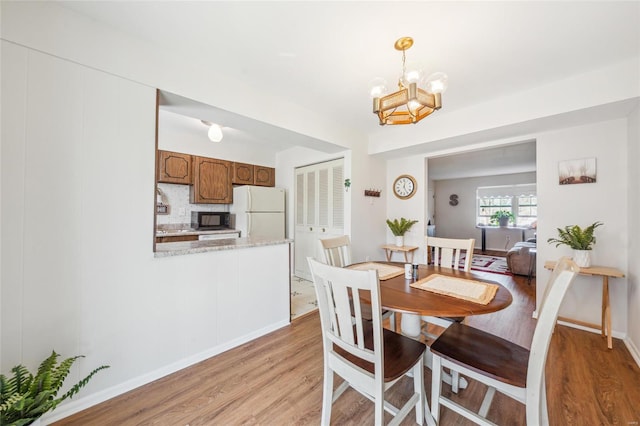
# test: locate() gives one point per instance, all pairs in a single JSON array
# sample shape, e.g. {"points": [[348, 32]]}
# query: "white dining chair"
{"points": [[446, 254], [367, 356], [337, 252], [500, 364]]}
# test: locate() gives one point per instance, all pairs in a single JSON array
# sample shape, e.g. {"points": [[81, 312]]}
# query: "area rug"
{"points": [[493, 264]]}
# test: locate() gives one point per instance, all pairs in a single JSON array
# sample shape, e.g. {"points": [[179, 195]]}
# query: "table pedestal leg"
{"points": [[410, 325]]}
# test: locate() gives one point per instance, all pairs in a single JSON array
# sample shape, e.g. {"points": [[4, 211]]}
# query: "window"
{"points": [[520, 200]]}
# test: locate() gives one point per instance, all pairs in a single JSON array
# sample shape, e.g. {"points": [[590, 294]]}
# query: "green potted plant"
{"points": [[502, 218], [399, 228], [580, 240], [25, 397]]}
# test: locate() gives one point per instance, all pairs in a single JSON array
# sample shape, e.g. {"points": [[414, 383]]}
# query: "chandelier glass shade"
{"points": [[416, 96]]}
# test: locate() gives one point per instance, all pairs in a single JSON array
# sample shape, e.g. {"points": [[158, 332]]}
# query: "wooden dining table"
{"points": [[396, 294]]}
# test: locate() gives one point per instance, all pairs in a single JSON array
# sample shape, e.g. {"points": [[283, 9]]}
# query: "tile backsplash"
{"points": [[177, 197]]}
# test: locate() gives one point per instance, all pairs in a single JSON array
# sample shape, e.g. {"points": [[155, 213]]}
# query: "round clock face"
{"points": [[404, 187]]}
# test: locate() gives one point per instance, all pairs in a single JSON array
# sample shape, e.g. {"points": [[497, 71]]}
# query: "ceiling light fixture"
{"points": [[410, 103], [215, 131]]}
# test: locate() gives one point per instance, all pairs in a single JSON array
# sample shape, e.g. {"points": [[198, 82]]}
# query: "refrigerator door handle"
{"points": [[248, 224], [249, 200]]}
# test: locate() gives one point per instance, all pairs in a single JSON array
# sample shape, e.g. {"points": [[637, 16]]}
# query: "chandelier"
{"points": [[410, 103]]}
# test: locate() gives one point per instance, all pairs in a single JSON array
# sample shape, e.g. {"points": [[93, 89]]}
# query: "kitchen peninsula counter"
{"points": [[191, 247]]}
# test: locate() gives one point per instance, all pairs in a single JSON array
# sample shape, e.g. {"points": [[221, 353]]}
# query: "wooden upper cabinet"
{"points": [[174, 167], [264, 176], [212, 181], [242, 174]]}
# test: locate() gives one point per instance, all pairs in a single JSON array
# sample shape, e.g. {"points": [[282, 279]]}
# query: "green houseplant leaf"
{"points": [[25, 397], [576, 237], [495, 218], [400, 227]]}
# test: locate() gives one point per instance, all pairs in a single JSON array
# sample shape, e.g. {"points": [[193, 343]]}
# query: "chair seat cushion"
{"points": [[484, 353], [400, 353]]}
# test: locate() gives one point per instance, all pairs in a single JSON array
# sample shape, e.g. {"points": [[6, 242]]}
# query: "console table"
{"points": [[390, 248], [599, 271], [483, 230]]}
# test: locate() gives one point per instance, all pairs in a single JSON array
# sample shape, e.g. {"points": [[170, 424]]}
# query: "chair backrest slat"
{"points": [[447, 251], [337, 251]]}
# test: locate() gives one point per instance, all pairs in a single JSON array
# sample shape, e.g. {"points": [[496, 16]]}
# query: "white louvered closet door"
{"points": [[319, 210]]}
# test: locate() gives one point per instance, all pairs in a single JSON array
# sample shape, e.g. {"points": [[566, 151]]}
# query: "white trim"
{"points": [[635, 353], [633, 350], [75, 406], [616, 334]]}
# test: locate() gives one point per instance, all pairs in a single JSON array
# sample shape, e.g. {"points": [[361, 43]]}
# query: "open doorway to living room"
{"points": [[461, 205]]}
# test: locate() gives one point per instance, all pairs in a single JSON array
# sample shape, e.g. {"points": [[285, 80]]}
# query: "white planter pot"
{"points": [[582, 258], [399, 240]]}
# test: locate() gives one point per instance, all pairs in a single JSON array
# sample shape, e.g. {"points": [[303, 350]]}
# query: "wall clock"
{"points": [[404, 187]]}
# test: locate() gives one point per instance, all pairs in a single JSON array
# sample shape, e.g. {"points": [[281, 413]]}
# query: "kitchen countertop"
{"points": [[191, 247]]}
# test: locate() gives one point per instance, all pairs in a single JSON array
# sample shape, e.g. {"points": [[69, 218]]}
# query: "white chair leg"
{"points": [[455, 381], [418, 388], [379, 407], [327, 396], [486, 401], [436, 387], [392, 321]]}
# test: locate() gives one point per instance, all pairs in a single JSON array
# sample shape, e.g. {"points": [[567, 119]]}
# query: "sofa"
{"points": [[519, 259]]}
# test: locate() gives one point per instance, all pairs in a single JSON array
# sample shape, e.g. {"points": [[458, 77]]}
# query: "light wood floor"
{"points": [[277, 380]]}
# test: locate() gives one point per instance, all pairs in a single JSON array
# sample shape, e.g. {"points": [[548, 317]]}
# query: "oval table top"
{"points": [[397, 295]]}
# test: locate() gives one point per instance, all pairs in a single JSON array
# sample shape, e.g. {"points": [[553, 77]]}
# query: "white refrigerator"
{"points": [[259, 211]]}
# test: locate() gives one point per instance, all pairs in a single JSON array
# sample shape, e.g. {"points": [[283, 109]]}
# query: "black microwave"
{"points": [[210, 220]]}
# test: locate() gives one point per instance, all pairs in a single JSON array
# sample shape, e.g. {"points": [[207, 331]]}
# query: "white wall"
{"points": [[188, 135], [78, 269], [38, 25], [460, 221], [605, 201], [415, 208], [633, 226]]}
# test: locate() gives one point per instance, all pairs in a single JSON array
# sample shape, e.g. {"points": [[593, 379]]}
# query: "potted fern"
{"points": [[580, 240], [399, 228], [502, 218], [25, 397]]}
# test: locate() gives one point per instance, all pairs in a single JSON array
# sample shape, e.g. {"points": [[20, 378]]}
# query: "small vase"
{"points": [[503, 221], [582, 258], [399, 240]]}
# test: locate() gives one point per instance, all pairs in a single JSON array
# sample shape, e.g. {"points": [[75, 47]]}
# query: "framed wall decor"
{"points": [[577, 171]]}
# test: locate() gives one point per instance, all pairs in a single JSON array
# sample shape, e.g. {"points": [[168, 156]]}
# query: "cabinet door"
{"points": [[212, 181], [242, 174], [175, 239], [174, 167], [264, 176]]}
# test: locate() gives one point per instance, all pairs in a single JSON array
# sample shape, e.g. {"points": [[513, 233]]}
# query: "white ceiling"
{"points": [[322, 55]]}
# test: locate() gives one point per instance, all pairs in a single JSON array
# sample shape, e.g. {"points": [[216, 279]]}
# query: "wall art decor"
{"points": [[577, 171]]}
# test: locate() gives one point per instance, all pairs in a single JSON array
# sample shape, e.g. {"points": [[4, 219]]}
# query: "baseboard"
{"points": [[75, 406], [633, 350], [594, 329], [581, 326]]}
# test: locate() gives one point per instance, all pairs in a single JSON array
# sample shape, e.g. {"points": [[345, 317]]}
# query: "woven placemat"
{"points": [[471, 290], [385, 271]]}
